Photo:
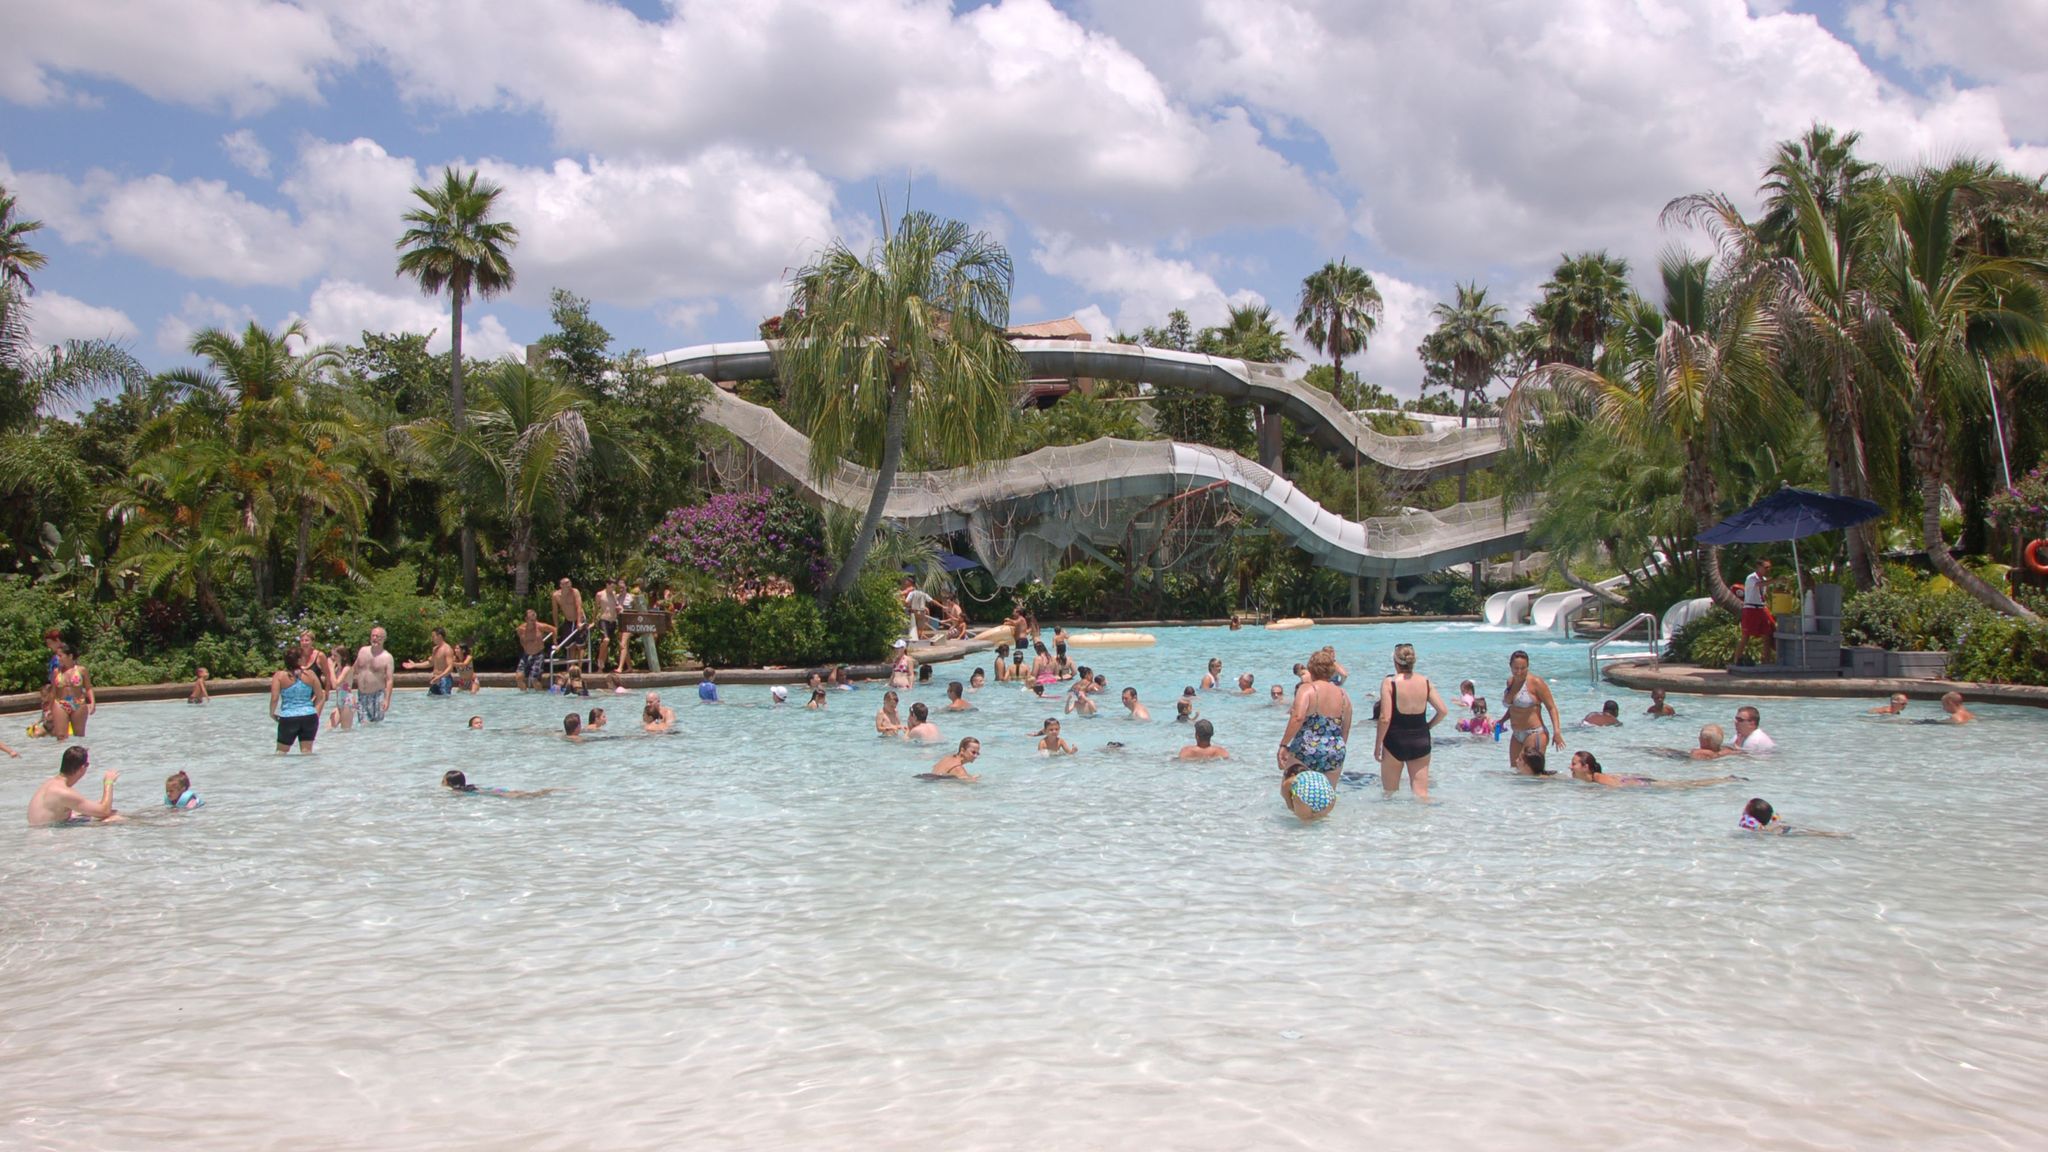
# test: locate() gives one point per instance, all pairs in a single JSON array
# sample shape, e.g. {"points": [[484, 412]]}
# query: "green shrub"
{"points": [[1909, 616], [1720, 631], [2003, 650], [229, 658], [718, 630], [860, 625], [1459, 599], [1081, 589], [787, 630], [1185, 596]]}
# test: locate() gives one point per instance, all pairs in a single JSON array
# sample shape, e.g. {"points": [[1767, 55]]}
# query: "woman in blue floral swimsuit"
{"points": [[1320, 725]]}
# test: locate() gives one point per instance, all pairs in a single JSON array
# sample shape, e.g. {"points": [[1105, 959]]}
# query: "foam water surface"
{"points": [[761, 931]]}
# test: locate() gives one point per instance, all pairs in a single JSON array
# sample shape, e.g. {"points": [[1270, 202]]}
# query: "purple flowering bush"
{"points": [[2024, 506], [746, 540]]}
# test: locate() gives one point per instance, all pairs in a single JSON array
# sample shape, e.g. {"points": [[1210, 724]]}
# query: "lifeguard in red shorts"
{"points": [[1757, 621]]}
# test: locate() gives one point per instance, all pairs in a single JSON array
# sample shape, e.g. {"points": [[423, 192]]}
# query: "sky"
{"points": [[213, 162]]}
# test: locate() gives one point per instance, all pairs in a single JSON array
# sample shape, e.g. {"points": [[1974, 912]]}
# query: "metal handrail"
{"points": [[1652, 627]]}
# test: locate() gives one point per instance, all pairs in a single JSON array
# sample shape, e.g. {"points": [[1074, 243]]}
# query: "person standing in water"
{"points": [[1204, 747], [1319, 726], [1403, 739], [75, 700], [1528, 697], [371, 674], [57, 800], [900, 675], [440, 666], [532, 675], [296, 697]]}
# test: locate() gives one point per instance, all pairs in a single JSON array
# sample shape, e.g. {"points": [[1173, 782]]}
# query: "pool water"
{"points": [[762, 932]]}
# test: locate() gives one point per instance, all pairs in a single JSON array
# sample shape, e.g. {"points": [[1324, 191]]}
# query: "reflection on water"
{"points": [[762, 933]]}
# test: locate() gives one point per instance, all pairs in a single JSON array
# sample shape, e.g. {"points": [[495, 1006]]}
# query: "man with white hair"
{"points": [[371, 677]]}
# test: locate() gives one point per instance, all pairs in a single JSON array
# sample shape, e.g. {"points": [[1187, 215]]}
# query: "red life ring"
{"points": [[2036, 557]]}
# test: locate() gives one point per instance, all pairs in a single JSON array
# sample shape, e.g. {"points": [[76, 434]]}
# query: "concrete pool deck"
{"points": [[1693, 680]]}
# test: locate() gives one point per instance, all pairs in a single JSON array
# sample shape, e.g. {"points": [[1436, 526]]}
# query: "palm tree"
{"points": [[17, 259], [36, 381], [454, 244], [1693, 375], [1251, 335], [1339, 309], [525, 453], [1471, 340], [1944, 308], [1581, 303], [901, 346]]}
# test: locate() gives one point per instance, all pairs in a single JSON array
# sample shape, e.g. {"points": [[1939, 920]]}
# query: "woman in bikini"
{"points": [[900, 671], [1527, 696], [1044, 669], [1320, 725], [74, 700], [1403, 739]]}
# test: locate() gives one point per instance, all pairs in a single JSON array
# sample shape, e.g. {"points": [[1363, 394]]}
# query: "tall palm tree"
{"points": [[1471, 340], [1581, 303], [1250, 334], [454, 244], [17, 259], [902, 345], [1338, 311], [525, 453], [1944, 307], [1693, 375]]}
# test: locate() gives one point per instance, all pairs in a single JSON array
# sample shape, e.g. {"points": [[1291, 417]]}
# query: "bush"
{"points": [[718, 630], [1717, 629], [1081, 589], [792, 630], [746, 539], [787, 630], [1459, 599], [861, 624], [2002, 650], [1909, 616]]}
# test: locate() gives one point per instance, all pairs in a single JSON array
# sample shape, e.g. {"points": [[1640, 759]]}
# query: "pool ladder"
{"points": [[1652, 632]]}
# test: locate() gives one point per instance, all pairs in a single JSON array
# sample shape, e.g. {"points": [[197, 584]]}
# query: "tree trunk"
{"points": [[304, 541], [885, 479], [1572, 578], [522, 557], [1928, 440], [1849, 475], [458, 415], [1354, 595], [1700, 496]]}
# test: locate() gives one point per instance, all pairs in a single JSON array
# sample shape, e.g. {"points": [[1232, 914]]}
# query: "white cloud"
{"points": [[1999, 42], [244, 55], [1096, 321], [175, 331], [246, 152], [55, 318], [1147, 286], [204, 229], [1390, 360], [340, 311]]}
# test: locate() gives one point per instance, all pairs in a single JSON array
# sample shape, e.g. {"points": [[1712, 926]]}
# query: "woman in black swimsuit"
{"points": [[1404, 730]]}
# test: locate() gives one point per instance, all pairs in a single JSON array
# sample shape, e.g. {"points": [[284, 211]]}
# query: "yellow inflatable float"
{"points": [[1000, 634], [1111, 639], [1290, 624]]}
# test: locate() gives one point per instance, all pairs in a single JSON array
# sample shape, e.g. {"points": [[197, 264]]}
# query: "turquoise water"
{"points": [[761, 932]]}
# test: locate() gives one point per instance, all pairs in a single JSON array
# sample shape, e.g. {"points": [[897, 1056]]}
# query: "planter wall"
{"points": [[1864, 662], [1916, 665]]}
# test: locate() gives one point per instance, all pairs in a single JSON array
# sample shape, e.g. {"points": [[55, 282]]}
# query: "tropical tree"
{"points": [[17, 258], [1249, 334], [1694, 375], [453, 243], [1470, 343], [1339, 308], [1581, 303], [902, 345], [1945, 312], [524, 454]]}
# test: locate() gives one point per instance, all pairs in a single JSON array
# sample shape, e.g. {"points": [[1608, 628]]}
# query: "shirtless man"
{"points": [[1202, 749], [607, 621], [1893, 707], [1712, 739], [656, 716], [440, 666], [566, 608], [953, 765], [57, 801], [921, 729], [956, 699], [533, 635], [1138, 711], [1609, 716], [1952, 703], [371, 677]]}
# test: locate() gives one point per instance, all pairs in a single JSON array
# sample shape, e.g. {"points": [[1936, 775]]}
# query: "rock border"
{"points": [[1693, 680]]}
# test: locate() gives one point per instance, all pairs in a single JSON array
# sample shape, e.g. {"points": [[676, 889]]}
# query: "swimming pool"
{"points": [[761, 932]]}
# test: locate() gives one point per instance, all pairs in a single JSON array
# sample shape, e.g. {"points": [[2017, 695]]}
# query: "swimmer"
{"points": [[1479, 723], [1062, 661], [1533, 743], [1307, 793], [11, 753], [1467, 692], [440, 665], [1002, 663], [1534, 763], [456, 782], [1586, 770], [465, 672], [953, 765], [595, 721], [924, 673], [370, 676], [887, 722], [1018, 673], [1609, 716], [1078, 701], [817, 701], [198, 695], [956, 698], [1050, 741], [476, 723], [975, 681], [1759, 816], [841, 680], [1952, 703], [1528, 697], [656, 716], [1202, 748], [341, 692], [1338, 673], [1748, 736], [1896, 705], [572, 686], [1244, 684], [179, 793], [296, 695], [1277, 697], [1099, 684], [1135, 710], [707, 688], [921, 729], [1235, 623], [1213, 676], [57, 800], [1183, 712], [778, 696], [572, 728], [1657, 705], [1712, 744]]}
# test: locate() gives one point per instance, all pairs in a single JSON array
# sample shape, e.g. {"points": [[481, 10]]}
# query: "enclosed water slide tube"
{"points": [[1316, 412], [1045, 494]]}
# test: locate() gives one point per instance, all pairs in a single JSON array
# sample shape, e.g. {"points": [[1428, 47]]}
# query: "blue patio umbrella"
{"points": [[953, 562], [1790, 514]]}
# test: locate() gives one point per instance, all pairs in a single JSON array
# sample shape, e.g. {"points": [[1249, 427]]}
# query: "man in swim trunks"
{"points": [[531, 674], [607, 621], [1712, 739], [1138, 711], [1202, 748], [371, 677], [57, 801], [1757, 622], [440, 666], [566, 608]]}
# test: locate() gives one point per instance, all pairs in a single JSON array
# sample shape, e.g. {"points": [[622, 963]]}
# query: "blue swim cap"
{"points": [[1313, 790]]}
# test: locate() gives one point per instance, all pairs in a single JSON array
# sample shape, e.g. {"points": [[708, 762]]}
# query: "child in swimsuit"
{"points": [[179, 793]]}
